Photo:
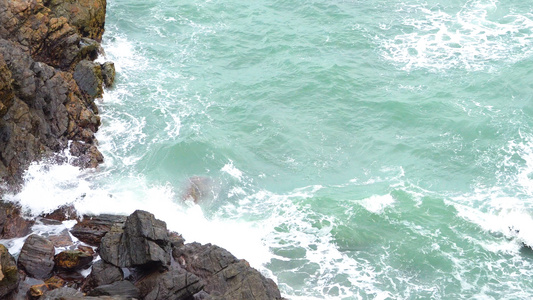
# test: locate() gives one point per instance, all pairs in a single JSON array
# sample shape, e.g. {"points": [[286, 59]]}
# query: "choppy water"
{"points": [[358, 149]]}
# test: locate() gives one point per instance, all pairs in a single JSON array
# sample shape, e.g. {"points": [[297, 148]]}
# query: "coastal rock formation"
{"points": [[12, 223], [42, 108], [92, 229], [37, 257], [9, 276], [143, 241]]}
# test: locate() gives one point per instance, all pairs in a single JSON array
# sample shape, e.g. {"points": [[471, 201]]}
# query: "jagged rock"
{"points": [[88, 16], [37, 257], [12, 224], [88, 75], [92, 228], [102, 274], [87, 155], [224, 274], [144, 241], [62, 294], [41, 105], [108, 73], [47, 110], [63, 213], [9, 276], [71, 260], [173, 284], [120, 288]]}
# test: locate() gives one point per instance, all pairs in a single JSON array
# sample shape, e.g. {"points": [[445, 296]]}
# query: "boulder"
{"points": [[62, 294], [175, 283], [88, 75], [142, 242], [37, 257], [224, 274], [92, 228], [102, 274], [63, 213], [12, 223], [72, 260], [108, 73], [120, 288], [9, 275]]}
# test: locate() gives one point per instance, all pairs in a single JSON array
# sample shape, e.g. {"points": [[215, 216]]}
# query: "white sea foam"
{"points": [[434, 39], [230, 169], [377, 203]]}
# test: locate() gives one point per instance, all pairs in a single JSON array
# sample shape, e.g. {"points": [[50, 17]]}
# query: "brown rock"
{"points": [[12, 224], [71, 260], [9, 276], [63, 213], [61, 240], [92, 228], [36, 257], [108, 73]]}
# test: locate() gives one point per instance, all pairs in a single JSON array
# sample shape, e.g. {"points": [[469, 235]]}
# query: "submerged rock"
{"points": [[37, 257]]}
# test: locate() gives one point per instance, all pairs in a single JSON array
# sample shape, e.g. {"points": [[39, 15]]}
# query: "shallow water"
{"points": [[357, 149]]}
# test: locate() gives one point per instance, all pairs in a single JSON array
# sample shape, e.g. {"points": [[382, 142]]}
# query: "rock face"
{"points": [[144, 241], [42, 107], [224, 274], [9, 276], [37, 257], [172, 284]]}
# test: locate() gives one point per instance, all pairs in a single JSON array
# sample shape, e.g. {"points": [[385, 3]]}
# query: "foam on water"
{"points": [[435, 39]]}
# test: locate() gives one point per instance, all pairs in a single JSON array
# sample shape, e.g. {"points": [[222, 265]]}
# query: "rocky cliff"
{"points": [[48, 82]]}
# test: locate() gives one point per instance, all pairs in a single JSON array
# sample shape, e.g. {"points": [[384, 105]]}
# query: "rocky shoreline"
{"points": [[133, 257], [49, 82]]}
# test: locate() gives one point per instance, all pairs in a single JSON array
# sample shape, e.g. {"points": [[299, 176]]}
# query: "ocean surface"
{"points": [[352, 149]]}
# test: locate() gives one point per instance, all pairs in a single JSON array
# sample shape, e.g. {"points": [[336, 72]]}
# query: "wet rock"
{"points": [[86, 155], [224, 274], [71, 260], [62, 294], [61, 240], [108, 73], [120, 288], [92, 228], [88, 75], [37, 257], [12, 223], [142, 242], [36, 291], [63, 213], [173, 284], [102, 274], [9, 275]]}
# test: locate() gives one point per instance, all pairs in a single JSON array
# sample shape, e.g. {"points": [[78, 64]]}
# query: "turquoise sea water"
{"points": [[356, 149]]}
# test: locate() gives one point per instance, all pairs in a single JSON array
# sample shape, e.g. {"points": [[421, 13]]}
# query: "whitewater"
{"points": [[375, 149]]}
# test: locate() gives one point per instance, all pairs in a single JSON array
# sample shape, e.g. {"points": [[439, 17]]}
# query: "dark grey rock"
{"points": [[144, 241], [120, 288], [102, 274], [88, 75], [173, 284], [37, 257], [224, 275]]}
